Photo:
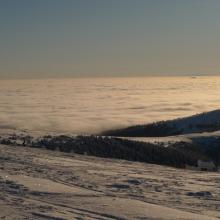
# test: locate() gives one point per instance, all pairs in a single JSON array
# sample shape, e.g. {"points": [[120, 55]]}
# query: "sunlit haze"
{"points": [[90, 106]]}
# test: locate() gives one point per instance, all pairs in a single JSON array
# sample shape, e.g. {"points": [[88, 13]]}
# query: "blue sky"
{"points": [[58, 38]]}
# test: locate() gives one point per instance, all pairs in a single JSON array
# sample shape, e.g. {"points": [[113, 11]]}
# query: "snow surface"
{"points": [[42, 184]]}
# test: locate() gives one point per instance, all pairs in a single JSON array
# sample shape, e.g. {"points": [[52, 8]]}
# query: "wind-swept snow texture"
{"points": [[42, 184]]}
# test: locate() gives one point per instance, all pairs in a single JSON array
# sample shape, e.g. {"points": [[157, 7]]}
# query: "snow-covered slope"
{"points": [[204, 122], [42, 184]]}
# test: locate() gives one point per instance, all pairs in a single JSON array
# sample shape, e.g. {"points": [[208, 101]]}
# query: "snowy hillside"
{"points": [[42, 184], [204, 122]]}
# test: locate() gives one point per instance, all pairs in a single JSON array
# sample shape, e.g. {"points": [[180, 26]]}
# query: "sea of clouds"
{"points": [[94, 105]]}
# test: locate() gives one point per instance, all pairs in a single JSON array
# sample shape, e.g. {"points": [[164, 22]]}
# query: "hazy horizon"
{"points": [[105, 77]]}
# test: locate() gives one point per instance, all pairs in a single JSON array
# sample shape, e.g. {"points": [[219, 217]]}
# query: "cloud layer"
{"points": [[93, 105]]}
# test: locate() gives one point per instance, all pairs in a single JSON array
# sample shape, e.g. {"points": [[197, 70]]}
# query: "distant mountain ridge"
{"points": [[203, 122]]}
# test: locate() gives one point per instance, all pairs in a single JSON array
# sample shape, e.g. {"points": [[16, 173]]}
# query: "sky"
{"points": [[68, 38]]}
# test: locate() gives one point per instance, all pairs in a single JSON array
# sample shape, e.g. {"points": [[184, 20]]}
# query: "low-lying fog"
{"points": [[93, 105]]}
